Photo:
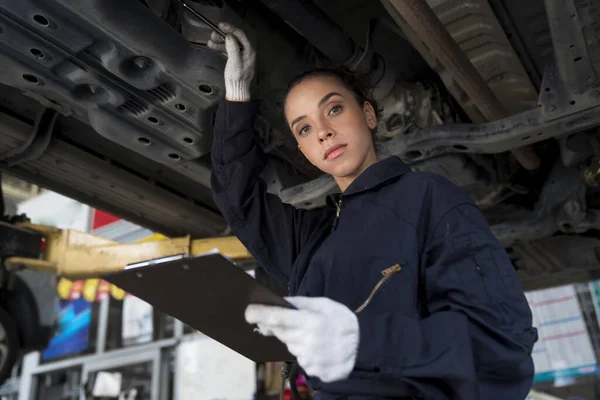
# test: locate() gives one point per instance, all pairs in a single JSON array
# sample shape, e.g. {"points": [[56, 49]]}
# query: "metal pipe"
{"points": [[316, 27], [306, 18], [421, 18]]}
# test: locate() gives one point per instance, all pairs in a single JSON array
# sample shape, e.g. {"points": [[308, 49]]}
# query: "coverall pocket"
{"points": [[469, 271], [507, 274], [492, 281], [501, 281], [472, 275]]}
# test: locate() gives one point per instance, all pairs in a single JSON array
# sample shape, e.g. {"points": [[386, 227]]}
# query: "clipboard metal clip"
{"points": [[155, 261], [175, 257]]}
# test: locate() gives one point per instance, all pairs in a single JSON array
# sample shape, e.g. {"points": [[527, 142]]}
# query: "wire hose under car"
{"points": [[290, 371]]}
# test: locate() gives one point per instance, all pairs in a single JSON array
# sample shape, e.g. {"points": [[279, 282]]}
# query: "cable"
{"points": [[295, 371], [374, 23], [285, 374], [290, 371]]}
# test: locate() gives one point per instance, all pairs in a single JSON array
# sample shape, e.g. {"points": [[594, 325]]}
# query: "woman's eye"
{"points": [[304, 130], [335, 110]]}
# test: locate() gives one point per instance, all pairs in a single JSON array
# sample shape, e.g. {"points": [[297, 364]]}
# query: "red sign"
{"points": [[102, 218]]}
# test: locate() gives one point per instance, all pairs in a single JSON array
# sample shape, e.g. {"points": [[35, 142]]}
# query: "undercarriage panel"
{"points": [[116, 66]]}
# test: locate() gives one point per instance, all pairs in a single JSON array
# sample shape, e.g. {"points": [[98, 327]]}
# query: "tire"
{"points": [[9, 344]]}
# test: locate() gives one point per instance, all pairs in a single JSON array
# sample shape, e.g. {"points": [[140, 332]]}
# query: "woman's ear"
{"points": [[370, 115]]}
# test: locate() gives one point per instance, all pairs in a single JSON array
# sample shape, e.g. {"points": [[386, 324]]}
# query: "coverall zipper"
{"points": [[337, 215], [386, 275], [333, 226]]}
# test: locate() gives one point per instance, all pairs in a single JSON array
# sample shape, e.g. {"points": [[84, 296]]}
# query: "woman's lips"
{"points": [[335, 151]]}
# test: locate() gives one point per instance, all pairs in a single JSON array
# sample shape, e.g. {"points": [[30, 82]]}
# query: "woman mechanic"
{"points": [[401, 290]]}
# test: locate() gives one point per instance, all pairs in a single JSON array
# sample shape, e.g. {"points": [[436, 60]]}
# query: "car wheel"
{"points": [[9, 344]]}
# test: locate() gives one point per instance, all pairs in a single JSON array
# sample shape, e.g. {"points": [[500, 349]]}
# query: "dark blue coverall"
{"points": [[453, 323]]}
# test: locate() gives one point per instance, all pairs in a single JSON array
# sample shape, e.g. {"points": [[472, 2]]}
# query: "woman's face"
{"points": [[333, 131]]}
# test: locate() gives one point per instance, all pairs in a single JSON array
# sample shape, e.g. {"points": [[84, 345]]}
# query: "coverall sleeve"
{"points": [[271, 230], [478, 334]]}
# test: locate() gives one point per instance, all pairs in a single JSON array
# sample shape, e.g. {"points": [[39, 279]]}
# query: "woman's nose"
{"points": [[326, 133]]}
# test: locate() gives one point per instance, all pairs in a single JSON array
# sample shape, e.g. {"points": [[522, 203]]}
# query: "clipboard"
{"points": [[210, 294]]}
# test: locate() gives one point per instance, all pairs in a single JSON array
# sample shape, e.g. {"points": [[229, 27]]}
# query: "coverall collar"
{"points": [[375, 175]]}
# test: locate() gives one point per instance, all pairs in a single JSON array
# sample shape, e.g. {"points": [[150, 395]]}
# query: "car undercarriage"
{"points": [[111, 103]]}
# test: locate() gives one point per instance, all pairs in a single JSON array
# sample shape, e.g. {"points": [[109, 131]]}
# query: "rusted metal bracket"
{"points": [[489, 138], [574, 26], [421, 18]]}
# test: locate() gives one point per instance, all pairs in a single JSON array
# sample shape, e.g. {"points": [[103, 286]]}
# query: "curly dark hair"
{"points": [[353, 82]]}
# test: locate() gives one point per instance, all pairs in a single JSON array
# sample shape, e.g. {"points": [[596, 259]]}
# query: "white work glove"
{"points": [[323, 334], [239, 69]]}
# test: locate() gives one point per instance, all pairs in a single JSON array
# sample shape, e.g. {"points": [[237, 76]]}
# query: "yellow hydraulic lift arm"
{"points": [[78, 255]]}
